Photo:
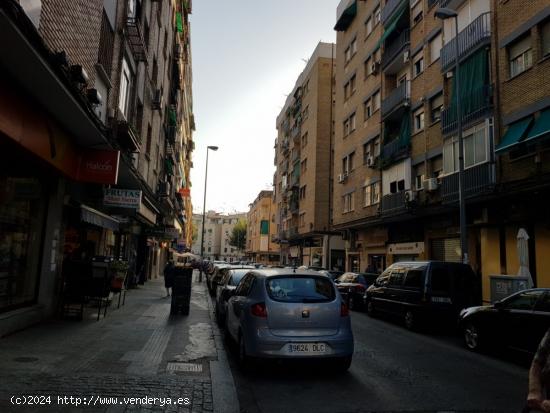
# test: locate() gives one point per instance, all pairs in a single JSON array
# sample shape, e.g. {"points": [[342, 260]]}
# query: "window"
{"points": [[302, 218], [520, 56], [148, 141], [418, 65], [416, 12], [413, 278], [303, 192], [349, 125], [375, 102], [545, 37], [304, 140], [367, 109], [368, 67], [436, 105], [419, 185], [348, 202], [303, 166], [371, 149], [418, 120], [125, 86], [372, 194], [305, 113], [368, 26], [346, 127], [377, 15], [347, 163], [397, 186], [475, 149], [353, 47], [435, 47], [350, 87], [523, 301], [352, 84], [346, 91]]}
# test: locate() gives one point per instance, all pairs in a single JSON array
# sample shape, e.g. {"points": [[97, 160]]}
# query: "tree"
{"points": [[238, 235]]}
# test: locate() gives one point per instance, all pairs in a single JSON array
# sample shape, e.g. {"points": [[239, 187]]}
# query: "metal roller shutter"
{"points": [[445, 249]]}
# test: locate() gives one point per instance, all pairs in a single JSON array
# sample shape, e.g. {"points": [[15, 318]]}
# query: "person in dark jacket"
{"points": [[539, 377], [168, 276]]}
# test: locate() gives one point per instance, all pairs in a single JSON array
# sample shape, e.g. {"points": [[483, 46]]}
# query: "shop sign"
{"points": [[164, 233], [122, 198], [98, 166], [406, 248]]}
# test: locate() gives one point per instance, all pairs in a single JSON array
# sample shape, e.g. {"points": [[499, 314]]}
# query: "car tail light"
{"points": [[360, 288], [259, 310], [344, 310]]}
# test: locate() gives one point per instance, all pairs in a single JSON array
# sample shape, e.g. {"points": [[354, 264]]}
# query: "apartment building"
{"points": [[77, 75], [400, 202], [218, 228], [302, 180], [262, 231]]}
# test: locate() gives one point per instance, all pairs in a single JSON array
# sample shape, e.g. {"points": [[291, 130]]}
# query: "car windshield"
{"points": [[236, 276], [300, 289]]}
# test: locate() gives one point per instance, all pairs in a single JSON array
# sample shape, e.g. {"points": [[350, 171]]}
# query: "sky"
{"points": [[247, 55]]}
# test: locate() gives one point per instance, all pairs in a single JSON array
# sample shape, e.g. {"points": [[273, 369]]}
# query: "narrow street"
{"points": [[393, 370]]}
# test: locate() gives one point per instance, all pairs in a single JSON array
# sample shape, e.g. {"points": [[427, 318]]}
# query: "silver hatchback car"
{"points": [[286, 313]]}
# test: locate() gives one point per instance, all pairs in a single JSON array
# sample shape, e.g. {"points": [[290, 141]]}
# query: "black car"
{"points": [[226, 287], [214, 276], [332, 274], [518, 321], [424, 291], [352, 287]]}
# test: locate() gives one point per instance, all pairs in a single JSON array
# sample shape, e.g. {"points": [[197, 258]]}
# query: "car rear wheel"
{"points": [[342, 364], [410, 320], [245, 362], [472, 337]]}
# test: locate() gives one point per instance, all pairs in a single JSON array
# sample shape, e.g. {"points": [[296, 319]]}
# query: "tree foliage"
{"points": [[238, 235]]}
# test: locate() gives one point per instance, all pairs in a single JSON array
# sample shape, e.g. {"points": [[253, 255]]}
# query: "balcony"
{"points": [[474, 106], [135, 39], [474, 36], [394, 48], [390, 8], [293, 232], [295, 133], [478, 180], [393, 203], [398, 97], [127, 137], [393, 151]]}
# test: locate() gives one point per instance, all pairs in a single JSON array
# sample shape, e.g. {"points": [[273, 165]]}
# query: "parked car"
{"points": [[421, 291], [214, 274], [333, 274], [518, 321], [289, 314], [352, 287], [226, 287]]}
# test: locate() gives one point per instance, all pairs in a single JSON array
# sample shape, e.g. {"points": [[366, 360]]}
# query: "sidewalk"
{"points": [[137, 351]]}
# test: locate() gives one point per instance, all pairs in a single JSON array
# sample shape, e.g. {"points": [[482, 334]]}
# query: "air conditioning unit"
{"points": [[430, 184], [406, 56], [375, 67], [370, 160], [157, 100], [409, 196], [342, 178]]}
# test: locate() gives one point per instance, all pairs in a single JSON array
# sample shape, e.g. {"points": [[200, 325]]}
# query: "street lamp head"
{"points": [[214, 148], [444, 13]]}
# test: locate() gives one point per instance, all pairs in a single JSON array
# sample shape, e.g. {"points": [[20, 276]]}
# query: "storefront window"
{"points": [[21, 220]]}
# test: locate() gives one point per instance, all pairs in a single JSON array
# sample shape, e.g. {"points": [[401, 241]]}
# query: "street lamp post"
{"points": [[214, 148], [443, 14]]}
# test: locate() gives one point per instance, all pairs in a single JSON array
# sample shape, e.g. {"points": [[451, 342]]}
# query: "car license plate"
{"points": [[306, 348]]}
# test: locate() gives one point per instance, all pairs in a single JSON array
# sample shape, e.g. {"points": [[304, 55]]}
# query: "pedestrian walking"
{"points": [[539, 377], [169, 276]]}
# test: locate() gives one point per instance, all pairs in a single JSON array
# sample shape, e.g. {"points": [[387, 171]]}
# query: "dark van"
{"points": [[421, 291]]}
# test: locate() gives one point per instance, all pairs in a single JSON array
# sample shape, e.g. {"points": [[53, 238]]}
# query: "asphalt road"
{"points": [[393, 370]]}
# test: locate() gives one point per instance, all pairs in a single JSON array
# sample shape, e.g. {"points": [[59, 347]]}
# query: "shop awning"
{"points": [[94, 217], [345, 19], [514, 134], [541, 127]]}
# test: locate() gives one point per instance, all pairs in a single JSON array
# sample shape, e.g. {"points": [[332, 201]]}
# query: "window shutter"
{"points": [[520, 47]]}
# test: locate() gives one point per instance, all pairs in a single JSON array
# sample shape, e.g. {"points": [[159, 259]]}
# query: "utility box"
{"points": [[504, 285]]}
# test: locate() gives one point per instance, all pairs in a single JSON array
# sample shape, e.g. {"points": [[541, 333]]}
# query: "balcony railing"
{"points": [[432, 2], [389, 9], [392, 151], [475, 35], [295, 132], [474, 106], [393, 203], [135, 38], [399, 96], [478, 180], [392, 50]]}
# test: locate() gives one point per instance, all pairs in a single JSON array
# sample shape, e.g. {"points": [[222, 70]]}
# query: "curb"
{"points": [[224, 392]]}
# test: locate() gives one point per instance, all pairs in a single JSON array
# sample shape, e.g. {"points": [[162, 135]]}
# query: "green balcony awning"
{"points": [[347, 17], [514, 134], [179, 22], [392, 25], [541, 127]]}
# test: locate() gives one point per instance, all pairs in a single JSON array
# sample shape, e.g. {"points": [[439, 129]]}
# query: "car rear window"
{"points": [[300, 289]]}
